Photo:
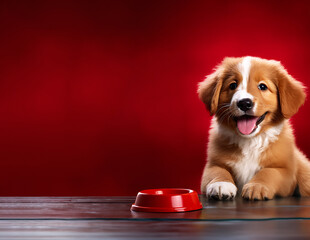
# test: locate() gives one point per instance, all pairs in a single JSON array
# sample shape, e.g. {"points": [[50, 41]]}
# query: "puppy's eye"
{"points": [[262, 87], [233, 86]]}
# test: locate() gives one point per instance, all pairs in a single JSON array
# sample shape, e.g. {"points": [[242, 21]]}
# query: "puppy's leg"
{"points": [[303, 175], [218, 183], [269, 182]]}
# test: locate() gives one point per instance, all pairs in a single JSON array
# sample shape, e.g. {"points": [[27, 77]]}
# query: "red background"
{"points": [[99, 97]]}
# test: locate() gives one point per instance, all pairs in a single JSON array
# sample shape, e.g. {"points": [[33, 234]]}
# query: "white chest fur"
{"points": [[252, 148], [248, 164]]}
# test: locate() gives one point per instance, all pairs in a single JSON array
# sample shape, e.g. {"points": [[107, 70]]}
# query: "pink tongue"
{"points": [[246, 125]]}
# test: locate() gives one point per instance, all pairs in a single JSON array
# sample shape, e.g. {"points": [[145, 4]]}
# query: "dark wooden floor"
{"points": [[111, 218]]}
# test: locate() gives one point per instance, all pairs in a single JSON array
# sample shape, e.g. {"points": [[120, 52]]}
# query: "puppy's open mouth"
{"points": [[247, 124]]}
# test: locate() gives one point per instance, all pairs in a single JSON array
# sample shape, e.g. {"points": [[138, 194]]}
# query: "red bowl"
{"points": [[167, 200]]}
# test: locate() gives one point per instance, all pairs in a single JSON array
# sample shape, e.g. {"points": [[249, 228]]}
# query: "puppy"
{"points": [[251, 147]]}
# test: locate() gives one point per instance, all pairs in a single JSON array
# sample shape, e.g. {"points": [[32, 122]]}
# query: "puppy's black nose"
{"points": [[245, 104]]}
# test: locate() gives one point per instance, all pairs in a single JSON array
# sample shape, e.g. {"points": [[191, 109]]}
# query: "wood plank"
{"points": [[111, 218], [119, 208], [234, 230]]}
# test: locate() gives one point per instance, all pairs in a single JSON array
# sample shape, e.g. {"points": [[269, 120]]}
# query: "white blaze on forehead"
{"points": [[244, 68]]}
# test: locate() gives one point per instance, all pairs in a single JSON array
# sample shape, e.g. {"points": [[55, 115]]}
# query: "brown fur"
{"points": [[283, 166]]}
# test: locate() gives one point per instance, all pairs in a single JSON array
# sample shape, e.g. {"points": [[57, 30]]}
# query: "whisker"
{"points": [[222, 106], [224, 114]]}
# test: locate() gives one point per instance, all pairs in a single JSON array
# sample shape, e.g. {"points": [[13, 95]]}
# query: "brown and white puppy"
{"points": [[251, 147]]}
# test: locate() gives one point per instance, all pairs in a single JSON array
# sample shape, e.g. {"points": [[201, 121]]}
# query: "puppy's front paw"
{"points": [[221, 190], [257, 191]]}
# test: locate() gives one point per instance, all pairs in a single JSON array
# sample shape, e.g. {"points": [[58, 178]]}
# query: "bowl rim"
{"points": [[165, 191]]}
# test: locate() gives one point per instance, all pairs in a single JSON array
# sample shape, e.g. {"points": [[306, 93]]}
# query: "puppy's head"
{"points": [[250, 94]]}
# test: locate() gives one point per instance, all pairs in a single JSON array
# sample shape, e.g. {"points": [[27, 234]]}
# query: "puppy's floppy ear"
{"points": [[291, 92], [209, 90]]}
